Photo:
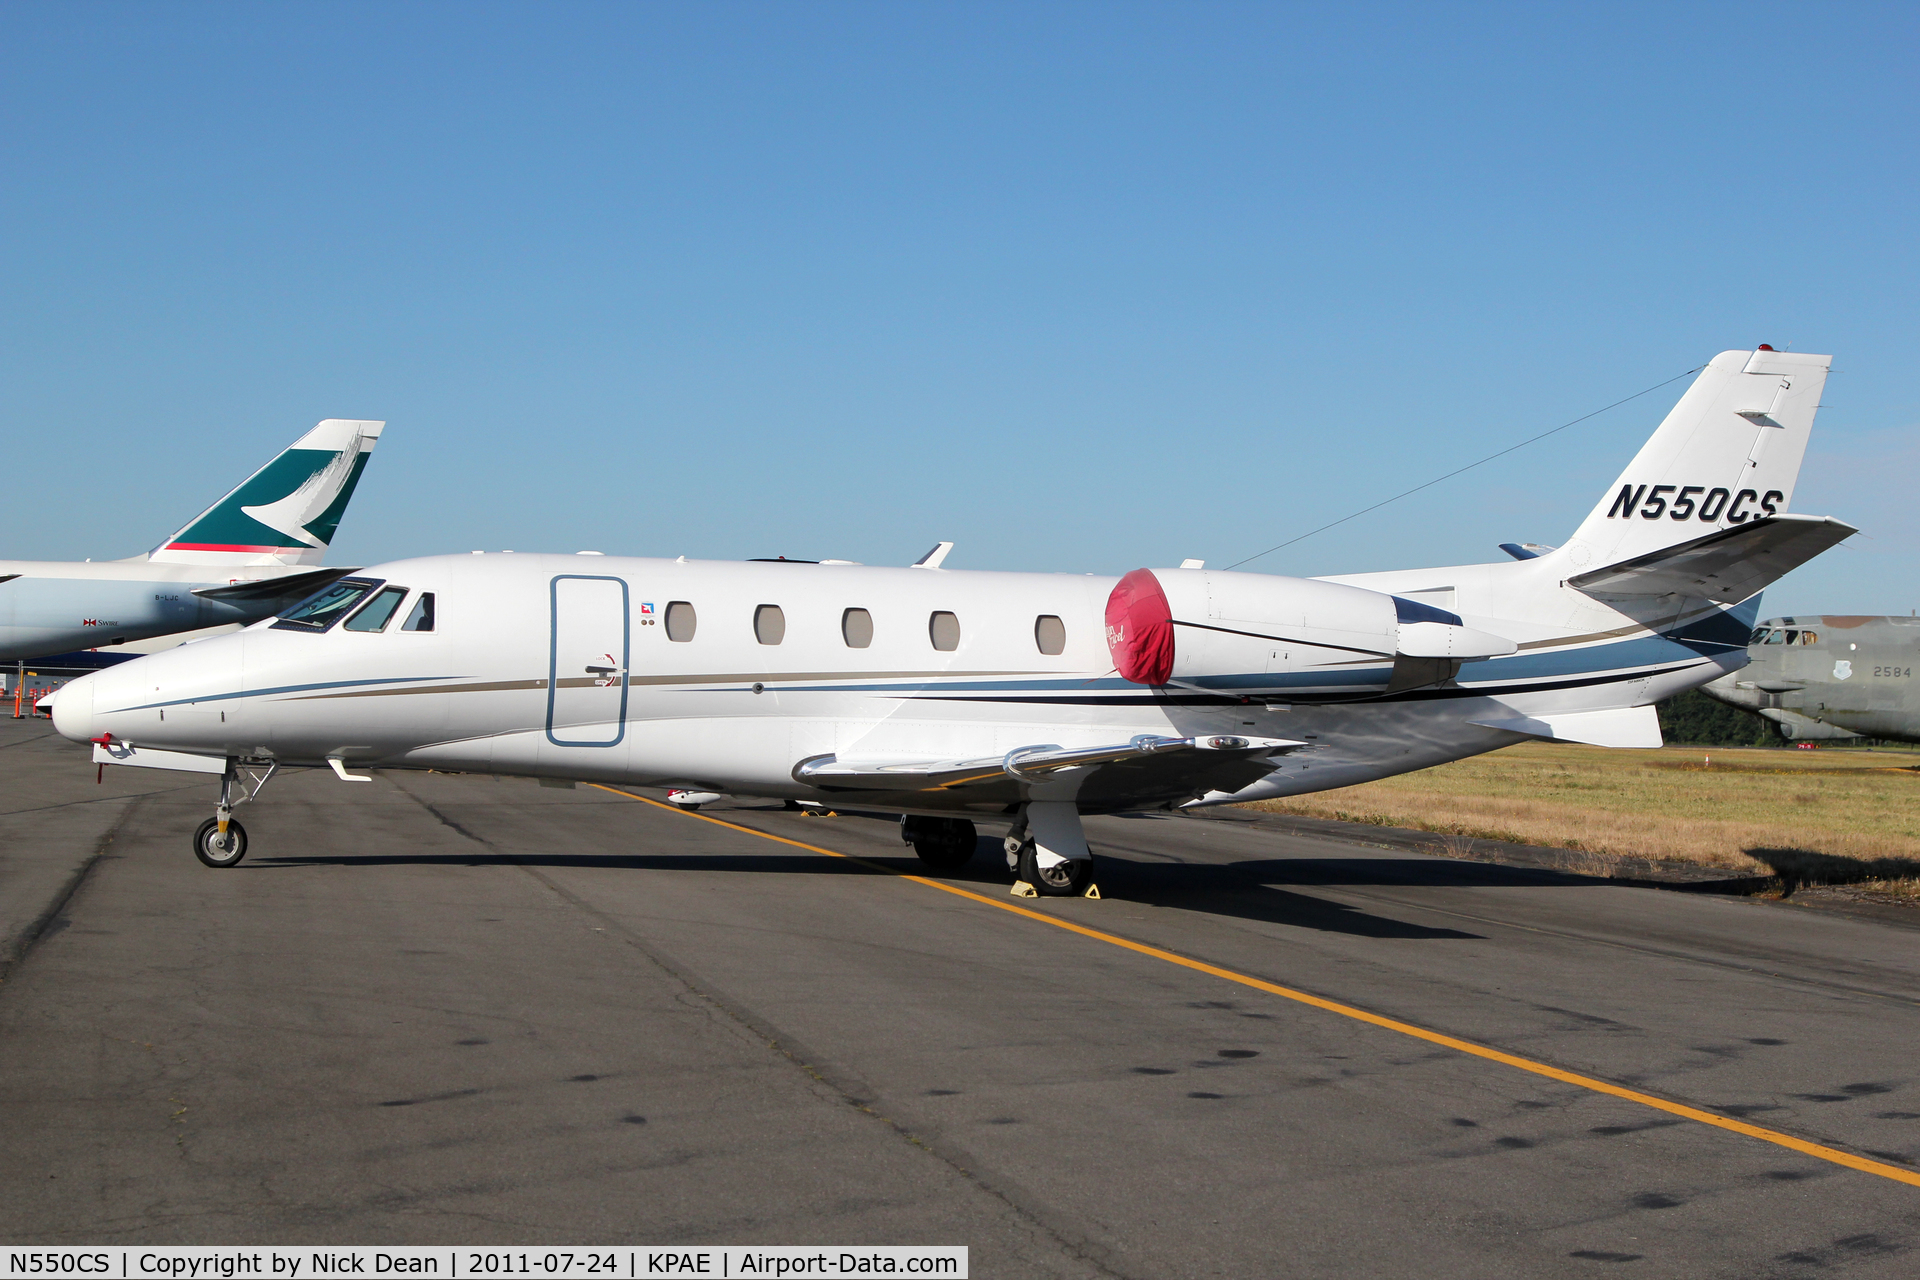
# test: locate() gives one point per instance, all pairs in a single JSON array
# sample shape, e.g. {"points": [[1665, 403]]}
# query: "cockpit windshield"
{"points": [[327, 606]]}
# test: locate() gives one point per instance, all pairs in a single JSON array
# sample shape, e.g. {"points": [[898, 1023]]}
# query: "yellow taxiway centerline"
{"points": [[1830, 1154]]}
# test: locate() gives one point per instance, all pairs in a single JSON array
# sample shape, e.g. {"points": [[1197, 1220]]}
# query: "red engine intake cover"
{"points": [[1140, 629]]}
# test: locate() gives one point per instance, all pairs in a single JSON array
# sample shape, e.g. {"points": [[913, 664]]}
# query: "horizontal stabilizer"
{"points": [[1022, 764], [1613, 727], [1726, 566], [293, 587]]}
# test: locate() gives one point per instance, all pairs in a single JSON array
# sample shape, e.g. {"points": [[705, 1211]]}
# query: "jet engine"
{"points": [[1254, 633]]}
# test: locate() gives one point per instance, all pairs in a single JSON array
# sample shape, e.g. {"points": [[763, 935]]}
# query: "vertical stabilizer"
{"points": [[287, 511], [1727, 454]]}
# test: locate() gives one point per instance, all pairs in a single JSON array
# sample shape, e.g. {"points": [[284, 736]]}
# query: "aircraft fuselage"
{"points": [[1833, 676], [725, 676], [58, 606]]}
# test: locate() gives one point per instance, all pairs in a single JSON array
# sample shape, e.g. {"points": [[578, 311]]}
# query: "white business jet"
{"points": [[1031, 699], [246, 557]]}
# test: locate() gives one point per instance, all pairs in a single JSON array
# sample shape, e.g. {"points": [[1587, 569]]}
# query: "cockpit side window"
{"points": [[421, 618], [1775, 636], [1809, 637], [377, 612], [1759, 634], [327, 606]]}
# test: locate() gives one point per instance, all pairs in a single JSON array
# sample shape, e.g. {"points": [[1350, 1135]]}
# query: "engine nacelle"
{"points": [[1257, 633]]}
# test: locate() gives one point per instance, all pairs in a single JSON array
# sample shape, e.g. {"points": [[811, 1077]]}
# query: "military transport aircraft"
{"points": [[1835, 676], [1028, 699], [243, 559]]}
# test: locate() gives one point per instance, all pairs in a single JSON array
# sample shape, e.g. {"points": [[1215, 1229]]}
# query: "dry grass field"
{"points": [[1827, 816]]}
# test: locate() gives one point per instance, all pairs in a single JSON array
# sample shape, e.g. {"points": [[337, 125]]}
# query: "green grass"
{"points": [[1810, 816]]}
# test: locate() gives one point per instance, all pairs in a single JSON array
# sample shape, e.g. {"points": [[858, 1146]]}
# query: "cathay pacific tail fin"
{"points": [[286, 512], [1727, 455]]}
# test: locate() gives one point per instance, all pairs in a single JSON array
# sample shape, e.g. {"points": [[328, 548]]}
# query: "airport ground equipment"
{"points": [[1024, 699]]}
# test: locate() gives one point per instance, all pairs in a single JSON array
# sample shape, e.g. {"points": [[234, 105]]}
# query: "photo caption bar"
{"points": [[602, 1262]]}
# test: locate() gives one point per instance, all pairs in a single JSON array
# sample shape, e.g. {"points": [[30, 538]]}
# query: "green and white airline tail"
{"points": [[240, 560], [287, 511]]}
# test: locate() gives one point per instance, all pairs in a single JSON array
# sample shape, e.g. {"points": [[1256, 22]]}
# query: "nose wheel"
{"points": [[217, 850], [220, 841]]}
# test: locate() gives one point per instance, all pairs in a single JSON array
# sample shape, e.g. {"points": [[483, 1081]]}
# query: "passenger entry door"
{"points": [[587, 674]]}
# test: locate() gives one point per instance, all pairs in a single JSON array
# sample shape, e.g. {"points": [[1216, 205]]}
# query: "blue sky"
{"points": [[1078, 287]]}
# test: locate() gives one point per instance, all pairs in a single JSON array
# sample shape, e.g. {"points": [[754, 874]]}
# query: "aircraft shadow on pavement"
{"points": [[1197, 887], [1239, 890]]}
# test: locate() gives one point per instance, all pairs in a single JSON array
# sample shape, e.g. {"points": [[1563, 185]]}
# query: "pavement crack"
{"points": [[42, 925], [842, 1091], [439, 817]]}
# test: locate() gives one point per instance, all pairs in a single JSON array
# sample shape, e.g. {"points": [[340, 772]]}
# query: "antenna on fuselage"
{"points": [[932, 559]]}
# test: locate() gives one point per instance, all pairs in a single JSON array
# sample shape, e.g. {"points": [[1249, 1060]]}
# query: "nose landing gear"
{"points": [[220, 841]]}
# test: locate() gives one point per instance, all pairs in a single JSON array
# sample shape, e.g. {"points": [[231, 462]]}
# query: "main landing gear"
{"points": [[1048, 850], [220, 841], [944, 844]]}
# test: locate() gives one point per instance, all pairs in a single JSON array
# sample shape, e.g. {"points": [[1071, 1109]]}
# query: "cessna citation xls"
{"points": [[1020, 698]]}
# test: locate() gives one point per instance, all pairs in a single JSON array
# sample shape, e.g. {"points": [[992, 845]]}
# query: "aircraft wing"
{"points": [[291, 587], [1181, 763], [1725, 566]]}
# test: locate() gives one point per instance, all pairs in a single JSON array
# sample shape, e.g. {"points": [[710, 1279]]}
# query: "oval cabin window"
{"points": [[1050, 634], [944, 628], [856, 628], [681, 620], [769, 624]]}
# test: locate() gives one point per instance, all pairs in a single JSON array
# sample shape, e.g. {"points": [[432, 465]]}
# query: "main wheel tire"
{"points": [[949, 846], [688, 808], [206, 843], [1062, 879]]}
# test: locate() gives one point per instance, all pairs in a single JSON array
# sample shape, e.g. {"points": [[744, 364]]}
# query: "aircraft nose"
{"points": [[73, 710]]}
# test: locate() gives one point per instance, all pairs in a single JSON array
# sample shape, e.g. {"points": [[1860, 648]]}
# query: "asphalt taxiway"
{"points": [[434, 1009]]}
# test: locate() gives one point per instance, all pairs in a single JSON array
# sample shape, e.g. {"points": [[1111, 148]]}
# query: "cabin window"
{"points": [[1050, 635], [769, 624], [327, 606], [378, 612], [1809, 637], [421, 619], [681, 620], [856, 628], [944, 629]]}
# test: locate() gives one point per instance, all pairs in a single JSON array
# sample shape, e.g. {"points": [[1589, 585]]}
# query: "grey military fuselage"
{"points": [[1837, 676]]}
